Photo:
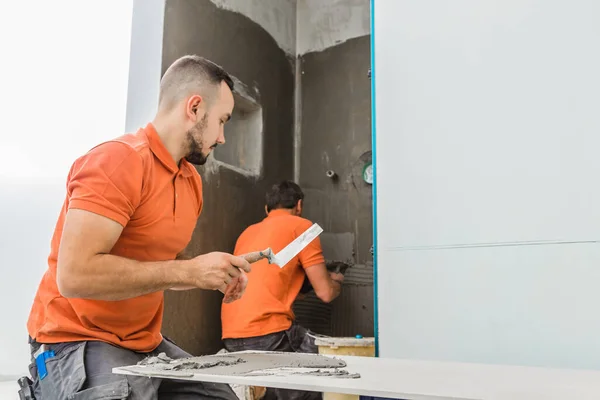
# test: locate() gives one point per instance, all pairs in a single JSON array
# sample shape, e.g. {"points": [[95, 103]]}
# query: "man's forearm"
{"points": [[336, 288], [184, 255], [109, 277]]}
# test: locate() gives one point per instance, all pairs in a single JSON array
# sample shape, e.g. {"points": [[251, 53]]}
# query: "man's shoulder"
{"points": [[291, 223], [136, 141], [124, 144], [288, 224], [300, 222], [251, 230], [121, 150]]}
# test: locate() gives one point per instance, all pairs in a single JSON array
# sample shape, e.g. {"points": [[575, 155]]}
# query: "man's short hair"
{"points": [[188, 75], [285, 194]]}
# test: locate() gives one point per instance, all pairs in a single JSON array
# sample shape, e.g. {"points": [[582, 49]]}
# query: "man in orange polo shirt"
{"points": [[130, 209], [263, 318]]}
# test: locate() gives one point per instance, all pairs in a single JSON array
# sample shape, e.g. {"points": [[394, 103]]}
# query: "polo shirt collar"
{"points": [[160, 151], [278, 212]]}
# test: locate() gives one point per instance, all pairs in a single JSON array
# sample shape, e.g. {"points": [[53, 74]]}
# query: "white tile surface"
{"points": [[523, 305], [473, 143], [415, 380]]}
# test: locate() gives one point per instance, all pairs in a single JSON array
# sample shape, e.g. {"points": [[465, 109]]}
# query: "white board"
{"points": [[487, 135], [413, 380]]}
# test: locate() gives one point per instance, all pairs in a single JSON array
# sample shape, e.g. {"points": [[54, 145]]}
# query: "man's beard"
{"points": [[194, 141]]}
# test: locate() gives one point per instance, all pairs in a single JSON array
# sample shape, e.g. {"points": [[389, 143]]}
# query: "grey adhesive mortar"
{"points": [[244, 364]]}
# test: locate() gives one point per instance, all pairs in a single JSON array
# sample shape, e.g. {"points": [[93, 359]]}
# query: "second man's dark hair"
{"points": [[283, 195]]}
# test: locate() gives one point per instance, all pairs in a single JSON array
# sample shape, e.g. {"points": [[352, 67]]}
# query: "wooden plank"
{"points": [[408, 379]]}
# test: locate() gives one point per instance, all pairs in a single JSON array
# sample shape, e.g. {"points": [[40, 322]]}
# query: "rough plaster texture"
{"points": [[313, 314], [276, 17], [338, 246], [245, 152], [232, 200], [303, 26], [323, 24], [336, 135], [352, 312]]}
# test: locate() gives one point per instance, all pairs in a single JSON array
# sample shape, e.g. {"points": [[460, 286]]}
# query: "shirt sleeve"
{"points": [[312, 254], [107, 181]]}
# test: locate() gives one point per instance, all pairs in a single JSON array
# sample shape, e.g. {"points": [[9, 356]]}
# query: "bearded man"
{"points": [[130, 208]]}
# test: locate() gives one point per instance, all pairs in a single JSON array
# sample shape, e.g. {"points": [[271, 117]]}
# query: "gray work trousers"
{"points": [[293, 340], [83, 371]]}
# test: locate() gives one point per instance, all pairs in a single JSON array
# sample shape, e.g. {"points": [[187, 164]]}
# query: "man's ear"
{"points": [[193, 105], [266, 210], [299, 207]]}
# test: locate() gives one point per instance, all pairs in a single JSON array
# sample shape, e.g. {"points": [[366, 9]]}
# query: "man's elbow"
{"points": [[67, 282], [328, 295], [327, 298]]}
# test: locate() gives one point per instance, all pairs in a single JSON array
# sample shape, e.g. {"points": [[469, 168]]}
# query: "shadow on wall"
{"points": [[232, 199]]}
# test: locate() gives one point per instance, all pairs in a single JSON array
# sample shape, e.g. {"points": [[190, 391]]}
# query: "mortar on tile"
{"points": [[246, 363]]}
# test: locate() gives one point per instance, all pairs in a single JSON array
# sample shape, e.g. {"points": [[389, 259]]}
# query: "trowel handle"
{"points": [[258, 255]]}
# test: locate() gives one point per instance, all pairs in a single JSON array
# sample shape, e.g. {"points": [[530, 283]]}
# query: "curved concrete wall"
{"points": [[232, 200], [328, 95]]}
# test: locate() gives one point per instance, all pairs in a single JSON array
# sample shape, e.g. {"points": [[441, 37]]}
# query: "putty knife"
{"points": [[291, 250], [288, 252], [236, 287]]}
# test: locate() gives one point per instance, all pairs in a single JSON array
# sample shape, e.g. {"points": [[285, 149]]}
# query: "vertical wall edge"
{"points": [[374, 164]]}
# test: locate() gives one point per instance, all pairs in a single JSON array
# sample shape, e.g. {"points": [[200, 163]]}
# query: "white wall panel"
{"points": [[487, 134], [487, 121], [524, 305]]}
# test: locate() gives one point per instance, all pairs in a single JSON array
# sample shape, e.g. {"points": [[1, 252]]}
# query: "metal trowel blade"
{"points": [[291, 250]]}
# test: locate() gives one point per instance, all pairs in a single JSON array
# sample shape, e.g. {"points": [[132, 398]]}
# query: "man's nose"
{"points": [[221, 138]]}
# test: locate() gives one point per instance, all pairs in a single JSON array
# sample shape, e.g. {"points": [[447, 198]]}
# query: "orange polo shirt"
{"points": [[266, 306], [134, 181]]}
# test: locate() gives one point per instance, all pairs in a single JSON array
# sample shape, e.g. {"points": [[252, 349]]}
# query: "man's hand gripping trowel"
{"points": [[235, 289]]}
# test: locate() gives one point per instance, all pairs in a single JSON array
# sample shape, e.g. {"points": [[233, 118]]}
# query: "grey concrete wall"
{"points": [[322, 24], [276, 17], [336, 135], [232, 200]]}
